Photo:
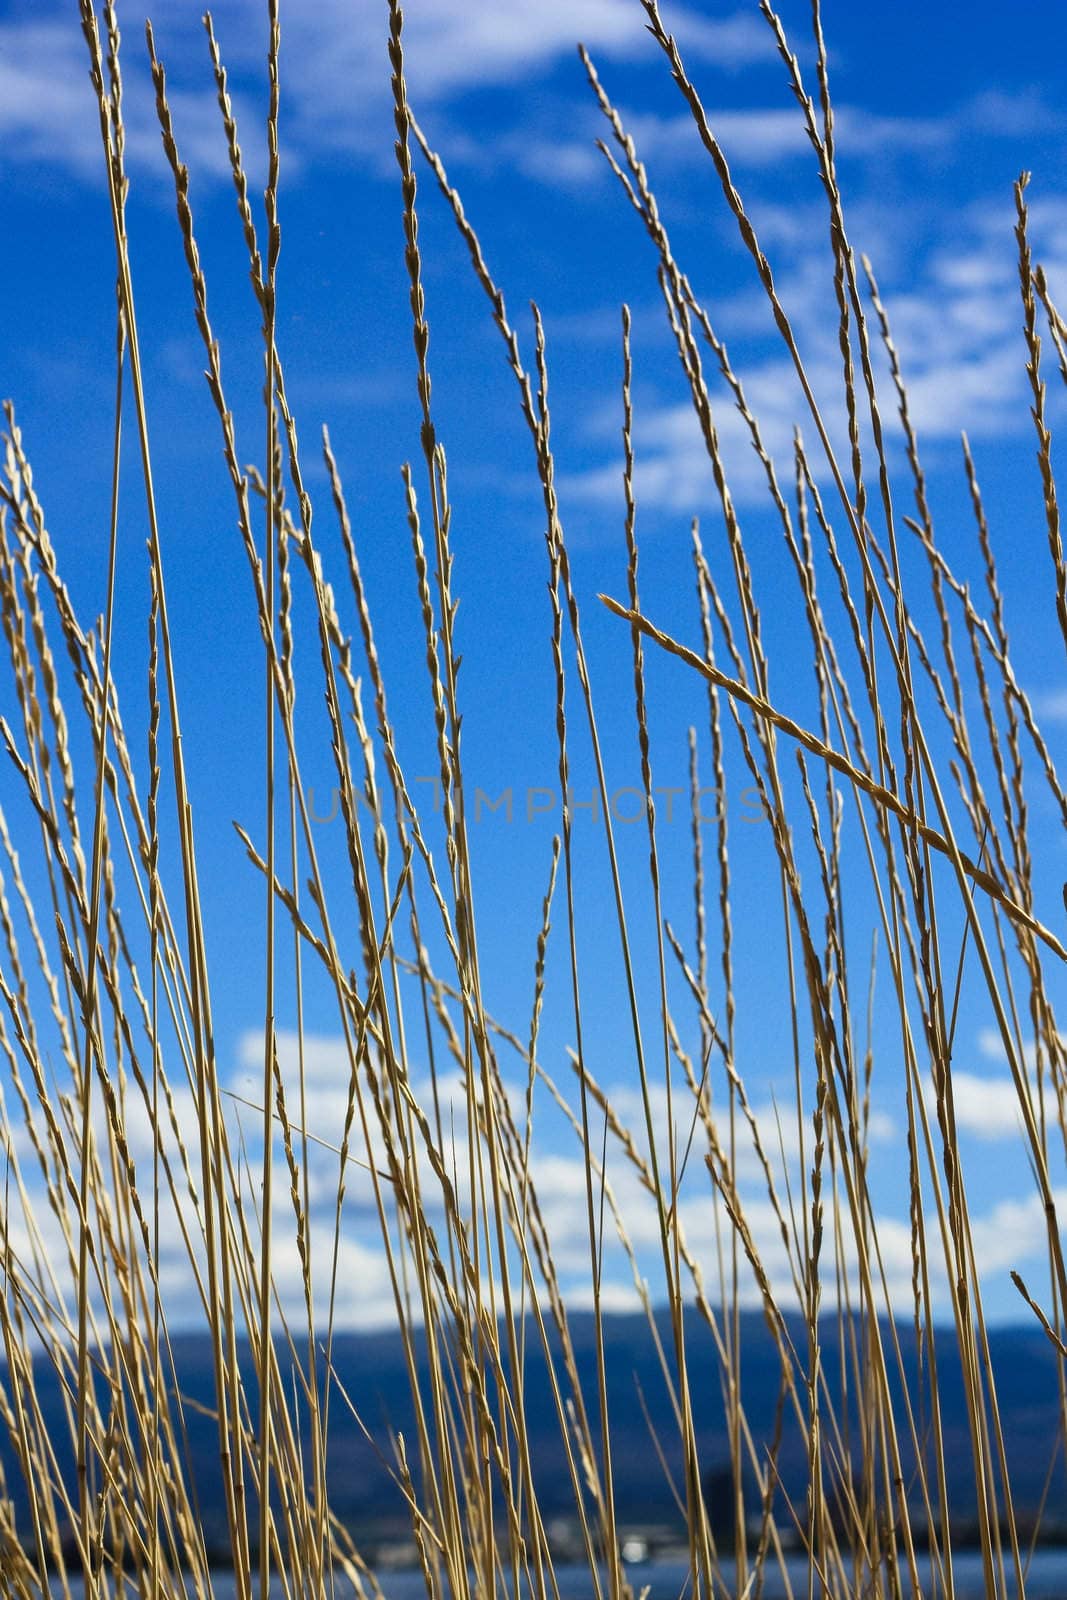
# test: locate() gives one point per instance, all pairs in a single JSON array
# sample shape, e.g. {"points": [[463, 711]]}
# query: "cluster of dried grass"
{"points": [[123, 994]]}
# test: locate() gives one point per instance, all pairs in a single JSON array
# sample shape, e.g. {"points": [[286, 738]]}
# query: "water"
{"points": [[1046, 1579]]}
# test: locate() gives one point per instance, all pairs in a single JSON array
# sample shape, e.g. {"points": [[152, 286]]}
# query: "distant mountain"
{"points": [[372, 1368]]}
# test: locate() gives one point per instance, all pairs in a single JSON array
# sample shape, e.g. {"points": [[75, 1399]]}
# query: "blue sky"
{"points": [[936, 117]]}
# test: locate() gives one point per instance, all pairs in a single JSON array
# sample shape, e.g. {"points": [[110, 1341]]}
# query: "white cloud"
{"points": [[753, 138], [995, 111], [757, 137], [46, 103], [986, 1107], [48, 113], [335, 71], [673, 472], [1013, 1231], [766, 135], [991, 1046], [957, 328], [1007, 1233], [1050, 705], [453, 44]]}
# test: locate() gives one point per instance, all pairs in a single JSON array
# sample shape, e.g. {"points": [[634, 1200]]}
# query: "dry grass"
{"points": [[925, 748]]}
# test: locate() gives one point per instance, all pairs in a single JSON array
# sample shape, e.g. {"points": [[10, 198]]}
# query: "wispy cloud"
{"points": [[1050, 705], [991, 1046], [46, 108], [336, 82], [986, 1107], [986, 1104], [1013, 1231], [765, 135], [756, 139], [956, 326], [1007, 1233], [48, 115], [335, 88]]}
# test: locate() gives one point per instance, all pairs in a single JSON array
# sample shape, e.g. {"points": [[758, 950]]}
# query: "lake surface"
{"points": [[1046, 1580]]}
